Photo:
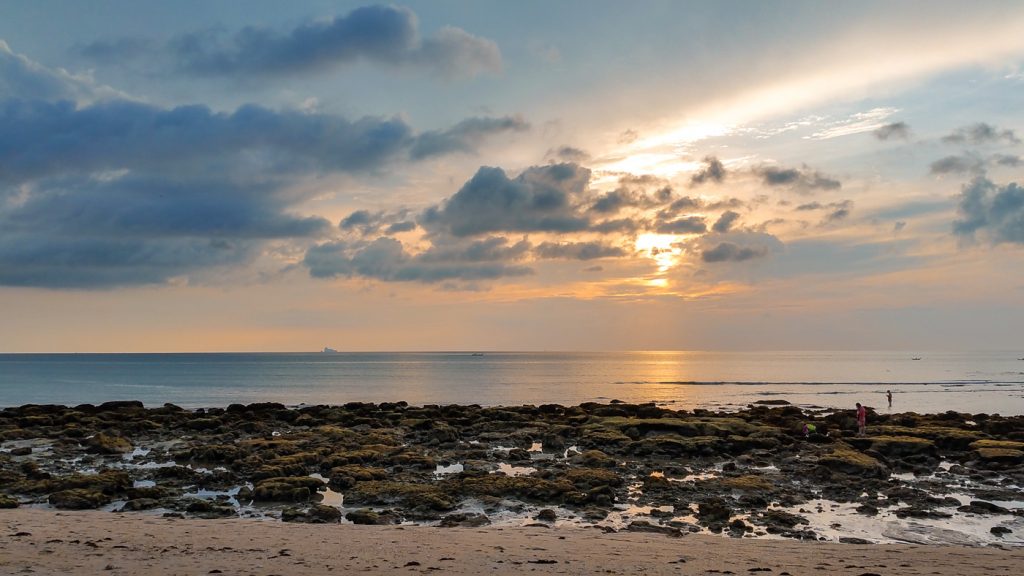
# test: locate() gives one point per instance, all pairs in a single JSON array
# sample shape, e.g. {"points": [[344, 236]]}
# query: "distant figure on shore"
{"points": [[888, 396], [862, 419], [809, 429]]}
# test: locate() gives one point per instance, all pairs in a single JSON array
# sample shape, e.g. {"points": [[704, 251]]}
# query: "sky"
{"points": [[445, 175]]}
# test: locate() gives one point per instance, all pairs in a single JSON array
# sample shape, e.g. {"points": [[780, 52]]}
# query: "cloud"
{"points": [[540, 199], [713, 171], [385, 35], [802, 180], [21, 77], [98, 233], [837, 210], [399, 227], [567, 154], [620, 225], [729, 252], [1011, 160], [578, 250], [111, 192], [491, 249], [465, 136], [387, 260], [956, 165], [981, 133], [725, 221], [996, 210], [686, 225], [896, 130], [621, 198], [46, 139], [49, 259], [40, 138]]}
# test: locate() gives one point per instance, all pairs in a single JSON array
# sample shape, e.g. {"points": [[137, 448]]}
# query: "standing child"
{"points": [[862, 419]]}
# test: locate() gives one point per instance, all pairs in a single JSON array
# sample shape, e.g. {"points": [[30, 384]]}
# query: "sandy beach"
{"points": [[49, 542]]}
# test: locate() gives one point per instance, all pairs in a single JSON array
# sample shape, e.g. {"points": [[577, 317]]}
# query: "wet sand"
{"points": [[40, 541]]}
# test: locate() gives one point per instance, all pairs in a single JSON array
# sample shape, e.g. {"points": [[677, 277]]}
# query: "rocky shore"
{"points": [[614, 466]]}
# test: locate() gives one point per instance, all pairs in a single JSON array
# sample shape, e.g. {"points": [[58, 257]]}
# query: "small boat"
{"points": [[477, 354], [918, 358], [327, 350]]}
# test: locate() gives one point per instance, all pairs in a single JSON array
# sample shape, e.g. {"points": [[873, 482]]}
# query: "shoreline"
{"points": [[927, 479], [94, 542]]}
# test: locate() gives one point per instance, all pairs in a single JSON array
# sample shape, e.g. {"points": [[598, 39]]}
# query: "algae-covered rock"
{"points": [[999, 451], [344, 477], [525, 487], [944, 437], [846, 460], [369, 517], [588, 478], [105, 444], [673, 446], [316, 514], [407, 494], [593, 459], [78, 499], [747, 483], [286, 489], [896, 446], [8, 502]]}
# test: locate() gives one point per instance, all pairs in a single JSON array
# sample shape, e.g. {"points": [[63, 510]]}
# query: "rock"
{"points": [[369, 517], [78, 499], [546, 515], [867, 509], [465, 520], [7, 502], [852, 540], [779, 521], [920, 513], [104, 444], [982, 507], [210, 509], [713, 511], [1000, 531], [317, 514], [140, 504], [738, 527], [518, 455], [23, 451], [772, 402], [645, 526]]}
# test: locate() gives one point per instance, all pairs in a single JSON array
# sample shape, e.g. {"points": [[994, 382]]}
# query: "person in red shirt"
{"points": [[862, 419]]}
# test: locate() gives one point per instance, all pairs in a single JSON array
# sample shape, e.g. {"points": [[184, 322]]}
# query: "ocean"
{"points": [[990, 382]]}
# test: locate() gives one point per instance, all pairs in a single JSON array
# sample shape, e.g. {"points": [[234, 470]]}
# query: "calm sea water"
{"points": [[965, 382]]}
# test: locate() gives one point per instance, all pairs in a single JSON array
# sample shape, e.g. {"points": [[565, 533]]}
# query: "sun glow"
{"points": [[664, 249]]}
